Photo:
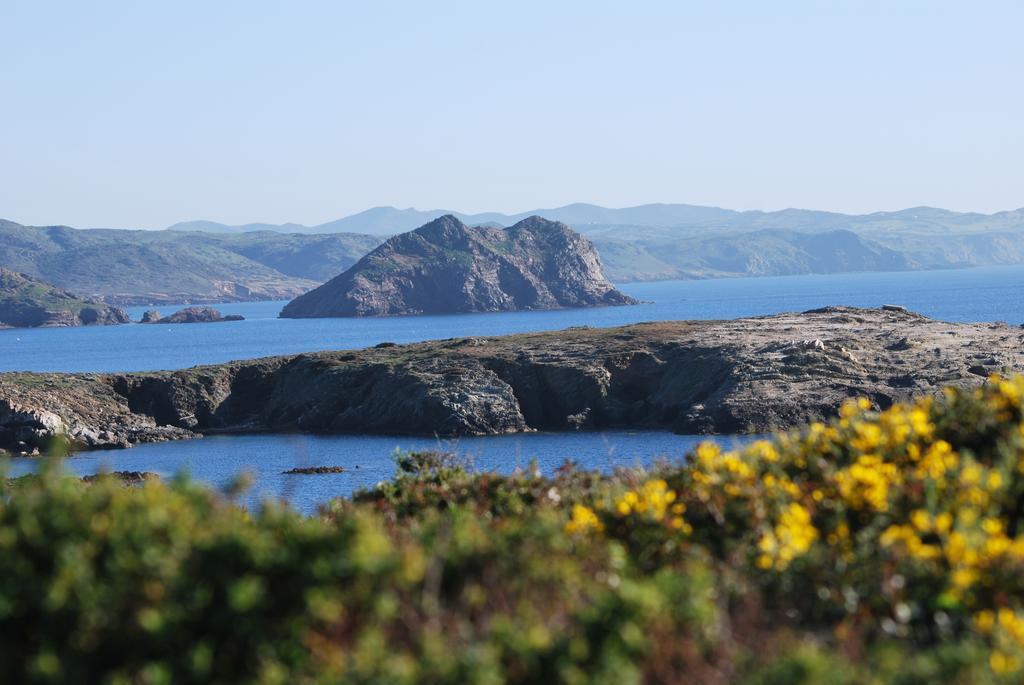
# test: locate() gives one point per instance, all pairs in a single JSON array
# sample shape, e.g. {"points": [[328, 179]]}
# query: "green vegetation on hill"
{"points": [[664, 241], [762, 253], [677, 241], [211, 262], [659, 241], [28, 302], [166, 266], [878, 548]]}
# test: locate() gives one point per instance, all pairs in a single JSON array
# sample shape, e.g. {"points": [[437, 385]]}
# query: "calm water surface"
{"points": [[367, 459], [983, 294]]}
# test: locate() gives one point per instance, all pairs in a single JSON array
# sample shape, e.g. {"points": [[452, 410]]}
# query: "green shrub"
{"points": [[882, 547]]}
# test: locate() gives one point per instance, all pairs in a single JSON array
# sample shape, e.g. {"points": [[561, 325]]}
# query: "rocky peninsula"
{"points": [[737, 376], [446, 267], [27, 302]]}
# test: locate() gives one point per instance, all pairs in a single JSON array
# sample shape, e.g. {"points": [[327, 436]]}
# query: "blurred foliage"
{"points": [[883, 547]]}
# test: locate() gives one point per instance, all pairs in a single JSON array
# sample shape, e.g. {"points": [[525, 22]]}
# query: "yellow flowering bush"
{"points": [[908, 521]]}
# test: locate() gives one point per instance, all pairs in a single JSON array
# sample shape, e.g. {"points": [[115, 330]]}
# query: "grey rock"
{"points": [[740, 376], [192, 315], [447, 267]]}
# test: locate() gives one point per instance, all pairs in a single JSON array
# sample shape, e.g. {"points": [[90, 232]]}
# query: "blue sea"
{"points": [[981, 294], [368, 459]]}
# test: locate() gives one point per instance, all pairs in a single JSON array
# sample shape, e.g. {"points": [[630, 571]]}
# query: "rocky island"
{"points": [[190, 315], [737, 376], [446, 267], [26, 302]]}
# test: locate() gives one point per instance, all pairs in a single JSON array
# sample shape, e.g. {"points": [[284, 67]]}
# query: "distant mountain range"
{"points": [[203, 261], [391, 220], [663, 241], [680, 217]]}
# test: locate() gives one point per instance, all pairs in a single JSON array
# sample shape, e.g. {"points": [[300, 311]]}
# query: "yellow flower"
{"points": [[992, 526], [984, 621], [964, 578], [791, 537], [1002, 664], [921, 520], [583, 520], [865, 484], [653, 500]]}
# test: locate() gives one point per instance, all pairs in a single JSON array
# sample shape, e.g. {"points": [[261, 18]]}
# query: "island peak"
{"points": [[447, 267]]}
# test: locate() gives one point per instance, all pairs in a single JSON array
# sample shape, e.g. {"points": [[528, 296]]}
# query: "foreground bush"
{"points": [[879, 548]]}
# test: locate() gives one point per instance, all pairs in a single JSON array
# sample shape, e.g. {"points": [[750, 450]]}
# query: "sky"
{"points": [[142, 114]]}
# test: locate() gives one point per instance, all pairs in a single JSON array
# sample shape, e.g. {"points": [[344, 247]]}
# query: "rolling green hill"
{"points": [[130, 267], [758, 253], [661, 241], [26, 302]]}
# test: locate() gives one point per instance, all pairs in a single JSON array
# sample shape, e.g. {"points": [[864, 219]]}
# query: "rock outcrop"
{"points": [[313, 470], [26, 302], [190, 315], [447, 267], [123, 477], [745, 375]]}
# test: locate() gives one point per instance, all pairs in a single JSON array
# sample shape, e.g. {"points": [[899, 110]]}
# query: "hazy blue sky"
{"points": [[143, 113]]}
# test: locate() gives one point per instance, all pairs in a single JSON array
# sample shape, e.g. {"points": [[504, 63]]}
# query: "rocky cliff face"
{"points": [[27, 302], [448, 267], [747, 375]]}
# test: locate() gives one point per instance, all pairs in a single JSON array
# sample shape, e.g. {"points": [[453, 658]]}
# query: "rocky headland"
{"points": [[27, 302], [447, 267], [737, 376]]}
